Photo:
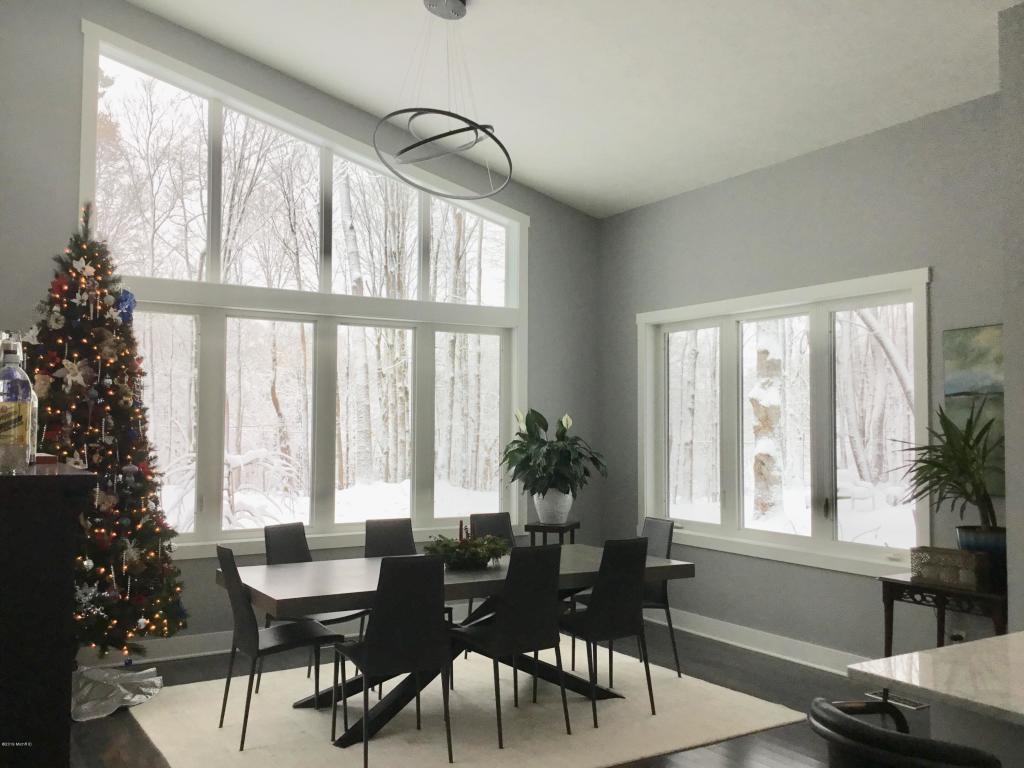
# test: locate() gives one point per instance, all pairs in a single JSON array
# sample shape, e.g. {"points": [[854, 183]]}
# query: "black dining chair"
{"points": [[497, 524], [525, 620], [406, 633], [286, 543], [389, 538], [615, 608], [854, 743], [658, 532], [257, 643]]}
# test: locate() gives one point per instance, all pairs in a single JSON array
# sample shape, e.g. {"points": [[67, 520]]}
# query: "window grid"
{"points": [[212, 327]]}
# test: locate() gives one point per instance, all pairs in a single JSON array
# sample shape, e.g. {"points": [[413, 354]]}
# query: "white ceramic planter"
{"points": [[554, 506]]}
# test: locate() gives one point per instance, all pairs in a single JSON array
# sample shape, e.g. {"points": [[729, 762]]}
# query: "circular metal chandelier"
{"points": [[409, 138]]}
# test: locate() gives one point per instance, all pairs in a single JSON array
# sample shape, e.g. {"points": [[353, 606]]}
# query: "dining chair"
{"points": [[406, 633], [658, 532], [854, 743], [286, 543], [497, 524], [525, 620], [257, 643], [389, 538], [615, 608]]}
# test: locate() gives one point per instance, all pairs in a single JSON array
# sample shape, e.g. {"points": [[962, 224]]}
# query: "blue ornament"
{"points": [[125, 305]]}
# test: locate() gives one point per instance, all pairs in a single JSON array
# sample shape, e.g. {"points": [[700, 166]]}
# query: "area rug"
{"points": [[182, 722]]}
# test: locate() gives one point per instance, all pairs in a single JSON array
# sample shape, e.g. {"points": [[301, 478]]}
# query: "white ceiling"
{"points": [[609, 104]]}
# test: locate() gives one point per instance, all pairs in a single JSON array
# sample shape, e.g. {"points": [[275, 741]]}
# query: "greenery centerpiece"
{"points": [[955, 468], [552, 471], [467, 554]]}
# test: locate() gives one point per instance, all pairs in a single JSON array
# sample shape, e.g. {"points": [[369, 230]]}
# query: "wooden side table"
{"points": [[569, 526], [901, 588]]}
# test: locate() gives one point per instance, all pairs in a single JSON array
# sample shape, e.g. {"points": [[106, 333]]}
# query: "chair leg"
{"points": [[362, 625], [344, 696], [611, 650], [309, 663], [366, 731], [468, 614], [316, 676], [259, 667], [572, 610], [248, 700], [445, 683], [672, 637], [535, 677], [515, 682], [647, 670], [592, 670], [497, 702], [227, 685], [334, 698], [416, 678], [561, 685]]}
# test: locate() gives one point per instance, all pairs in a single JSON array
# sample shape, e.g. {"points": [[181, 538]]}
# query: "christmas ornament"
{"points": [[82, 267]]}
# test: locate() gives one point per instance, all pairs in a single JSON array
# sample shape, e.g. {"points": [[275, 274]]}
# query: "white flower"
{"points": [[55, 320], [566, 421], [31, 336], [520, 420], [81, 266]]}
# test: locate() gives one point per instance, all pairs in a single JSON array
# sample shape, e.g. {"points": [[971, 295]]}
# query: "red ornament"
{"points": [[59, 284]]}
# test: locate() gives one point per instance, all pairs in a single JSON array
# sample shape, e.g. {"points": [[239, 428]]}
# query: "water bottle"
{"points": [[16, 438]]}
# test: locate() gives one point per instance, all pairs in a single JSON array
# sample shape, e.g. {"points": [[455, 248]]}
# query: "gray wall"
{"points": [[915, 195], [1011, 65], [41, 103]]}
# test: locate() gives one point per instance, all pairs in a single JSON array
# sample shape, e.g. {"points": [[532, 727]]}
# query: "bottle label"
{"points": [[15, 420]]}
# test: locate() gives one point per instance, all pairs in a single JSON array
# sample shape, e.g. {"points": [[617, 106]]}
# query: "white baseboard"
{"points": [[163, 649], [779, 646]]}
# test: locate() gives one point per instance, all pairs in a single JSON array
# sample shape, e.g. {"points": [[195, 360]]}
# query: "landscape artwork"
{"points": [[973, 359]]}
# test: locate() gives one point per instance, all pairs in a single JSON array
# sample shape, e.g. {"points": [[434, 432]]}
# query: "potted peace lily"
{"points": [[957, 467], [551, 471]]}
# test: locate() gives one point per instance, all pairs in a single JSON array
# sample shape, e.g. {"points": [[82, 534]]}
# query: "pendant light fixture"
{"points": [[411, 137]]}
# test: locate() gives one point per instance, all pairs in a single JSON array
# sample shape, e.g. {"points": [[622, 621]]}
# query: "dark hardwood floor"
{"points": [[118, 742]]}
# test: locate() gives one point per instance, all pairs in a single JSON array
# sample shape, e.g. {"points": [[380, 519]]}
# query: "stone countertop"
{"points": [[984, 676]]}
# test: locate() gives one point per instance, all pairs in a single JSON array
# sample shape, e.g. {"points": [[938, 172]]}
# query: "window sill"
{"points": [[251, 542], [842, 560]]}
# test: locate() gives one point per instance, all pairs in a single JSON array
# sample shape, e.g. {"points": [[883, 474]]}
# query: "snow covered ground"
{"points": [[879, 517], [254, 509]]}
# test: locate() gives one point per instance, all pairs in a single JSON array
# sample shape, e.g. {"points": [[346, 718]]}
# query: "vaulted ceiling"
{"points": [[608, 105]]}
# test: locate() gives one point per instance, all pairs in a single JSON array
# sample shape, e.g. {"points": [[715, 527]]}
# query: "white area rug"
{"points": [[182, 721]]}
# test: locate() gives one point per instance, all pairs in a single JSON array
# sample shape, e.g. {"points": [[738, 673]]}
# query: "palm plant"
{"points": [[954, 466]]}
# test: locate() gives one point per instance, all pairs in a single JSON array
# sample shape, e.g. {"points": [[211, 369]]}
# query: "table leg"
{"points": [[888, 599], [533, 538], [544, 538], [561, 538], [999, 618], [572, 536], [940, 620]]}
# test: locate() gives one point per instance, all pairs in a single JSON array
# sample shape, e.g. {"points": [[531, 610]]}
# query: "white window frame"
{"points": [[212, 301], [821, 549]]}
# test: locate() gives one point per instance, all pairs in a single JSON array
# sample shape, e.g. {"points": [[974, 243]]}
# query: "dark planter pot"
{"points": [[991, 541]]}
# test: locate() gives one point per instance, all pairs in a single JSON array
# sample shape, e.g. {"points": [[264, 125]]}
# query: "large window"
{"points": [[778, 425], [324, 343]]}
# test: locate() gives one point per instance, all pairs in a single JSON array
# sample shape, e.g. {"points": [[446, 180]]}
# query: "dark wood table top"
{"points": [[906, 579], [299, 589], [539, 527]]}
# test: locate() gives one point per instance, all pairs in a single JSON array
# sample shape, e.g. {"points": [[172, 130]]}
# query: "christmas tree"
{"points": [[87, 374]]}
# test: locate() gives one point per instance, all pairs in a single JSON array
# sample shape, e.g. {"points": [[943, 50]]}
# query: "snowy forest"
{"points": [[874, 420], [151, 199]]}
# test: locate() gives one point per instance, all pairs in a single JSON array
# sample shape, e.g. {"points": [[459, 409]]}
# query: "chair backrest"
{"points": [[658, 532], [853, 743], [615, 608], [528, 607], [406, 631], [389, 538], [493, 524], [246, 634], [286, 543]]}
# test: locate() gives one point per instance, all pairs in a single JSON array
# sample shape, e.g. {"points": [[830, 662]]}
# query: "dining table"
{"points": [[324, 586]]}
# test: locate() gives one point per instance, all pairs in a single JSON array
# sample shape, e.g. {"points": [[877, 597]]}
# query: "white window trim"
{"points": [[211, 302], [818, 550]]}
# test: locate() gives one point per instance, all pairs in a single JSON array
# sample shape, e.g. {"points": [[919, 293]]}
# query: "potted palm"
{"points": [[956, 468], [551, 471]]}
